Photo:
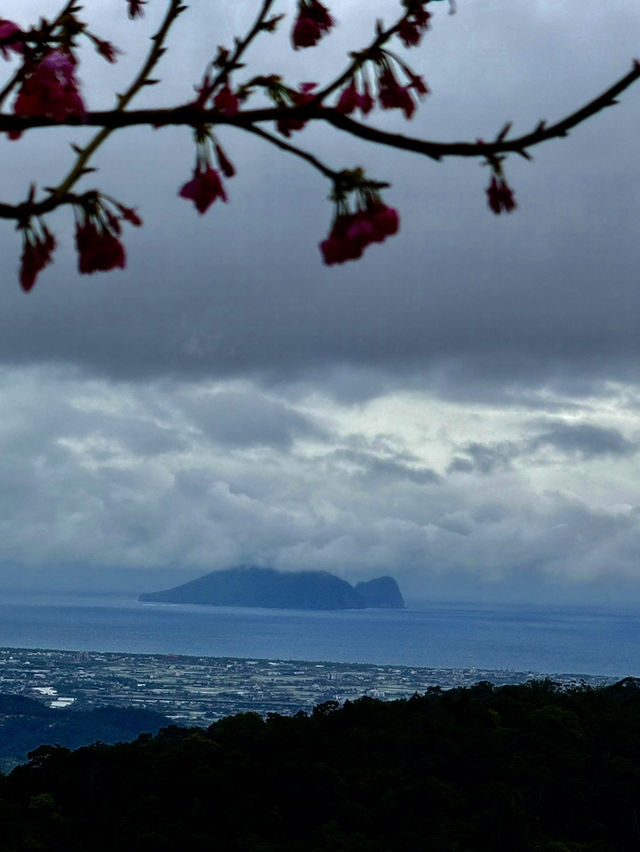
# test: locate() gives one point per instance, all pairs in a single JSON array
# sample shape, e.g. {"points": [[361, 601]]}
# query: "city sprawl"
{"points": [[200, 690]]}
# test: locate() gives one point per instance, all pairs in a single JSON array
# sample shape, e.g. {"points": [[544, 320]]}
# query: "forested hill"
{"points": [[25, 724], [530, 768]]}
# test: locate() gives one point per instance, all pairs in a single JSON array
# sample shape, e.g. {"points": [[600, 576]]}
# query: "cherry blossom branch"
{"points": [[501, 145], [190, 115], [142, 79], [360, 56], [48, 95]]}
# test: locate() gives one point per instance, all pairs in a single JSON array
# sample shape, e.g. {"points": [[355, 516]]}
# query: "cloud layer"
{"points": [[459, 408]]}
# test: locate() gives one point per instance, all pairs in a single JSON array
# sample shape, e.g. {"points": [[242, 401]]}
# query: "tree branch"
{"points": [[192, 116], [60, 193], [292, 149], [518, 145], [359, 56], [242, 45]]}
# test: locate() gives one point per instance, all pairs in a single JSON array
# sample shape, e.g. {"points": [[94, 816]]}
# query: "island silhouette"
{"points": [[251, 586]]}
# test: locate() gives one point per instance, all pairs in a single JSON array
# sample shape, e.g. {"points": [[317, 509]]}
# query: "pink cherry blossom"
{"points": [[36, 254], [313, 21], [348, 100], [394, 96], [351, 233], [204, 188], [412, 28], [51, 89], [338, 247], [351, 99], [8, 38], [304, 95], [130, 215], [225, 101], [385, 221], [99, 249]]}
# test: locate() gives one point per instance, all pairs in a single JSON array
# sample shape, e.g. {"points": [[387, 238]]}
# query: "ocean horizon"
{"points": [[593, 640]]}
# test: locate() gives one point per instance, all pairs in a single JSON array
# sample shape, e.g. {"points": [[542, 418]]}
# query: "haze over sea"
{"points": [[542, 639]]}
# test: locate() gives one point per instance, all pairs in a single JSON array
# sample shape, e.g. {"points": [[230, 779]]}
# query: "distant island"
{"points": [[266, 587]]}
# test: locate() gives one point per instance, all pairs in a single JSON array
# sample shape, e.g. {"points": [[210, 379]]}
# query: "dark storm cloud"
{"points": [[375, 469], [236, 419], [571, 440], [485, 458], [585, 440]]}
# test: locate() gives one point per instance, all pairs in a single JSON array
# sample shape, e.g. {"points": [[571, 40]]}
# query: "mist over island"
{"points": [[265, 587]]}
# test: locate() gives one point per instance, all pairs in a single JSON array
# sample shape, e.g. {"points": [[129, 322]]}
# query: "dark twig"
{"points": [[359, 56], [292, 149], [242, 45]]}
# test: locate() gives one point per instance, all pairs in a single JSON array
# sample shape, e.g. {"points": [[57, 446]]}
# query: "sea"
{"points": [[593, 640]]}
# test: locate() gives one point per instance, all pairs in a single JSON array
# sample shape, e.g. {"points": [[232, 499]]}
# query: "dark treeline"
{"points": [[532, 767]]}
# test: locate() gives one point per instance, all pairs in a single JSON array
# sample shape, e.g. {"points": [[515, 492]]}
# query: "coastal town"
{"points": [[201, 690]]}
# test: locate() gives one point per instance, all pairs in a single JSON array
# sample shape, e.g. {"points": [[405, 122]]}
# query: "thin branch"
{"points": [[518, 145], [242, 45], [292, 149], [358, 56], [142, 79]]}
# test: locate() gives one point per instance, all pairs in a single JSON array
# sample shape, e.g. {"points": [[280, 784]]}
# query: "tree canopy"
{"points": [[530, 768]]}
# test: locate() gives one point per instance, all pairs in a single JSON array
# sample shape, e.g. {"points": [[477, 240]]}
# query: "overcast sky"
{"points": [[458, 409]]}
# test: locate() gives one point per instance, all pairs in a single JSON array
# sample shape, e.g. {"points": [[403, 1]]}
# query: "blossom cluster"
{"points": [[500, 195], [37, 252], [312, 22], [51, 88], [98, 231], [391, 94], [48, 85], [206, 185], [370, 220], [352, 232], [414, 24]]}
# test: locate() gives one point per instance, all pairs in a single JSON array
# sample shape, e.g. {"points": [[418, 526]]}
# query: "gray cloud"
{"points": [[376, 469], [586, 440], [572, 440], [485, 458], [245, 419]]}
